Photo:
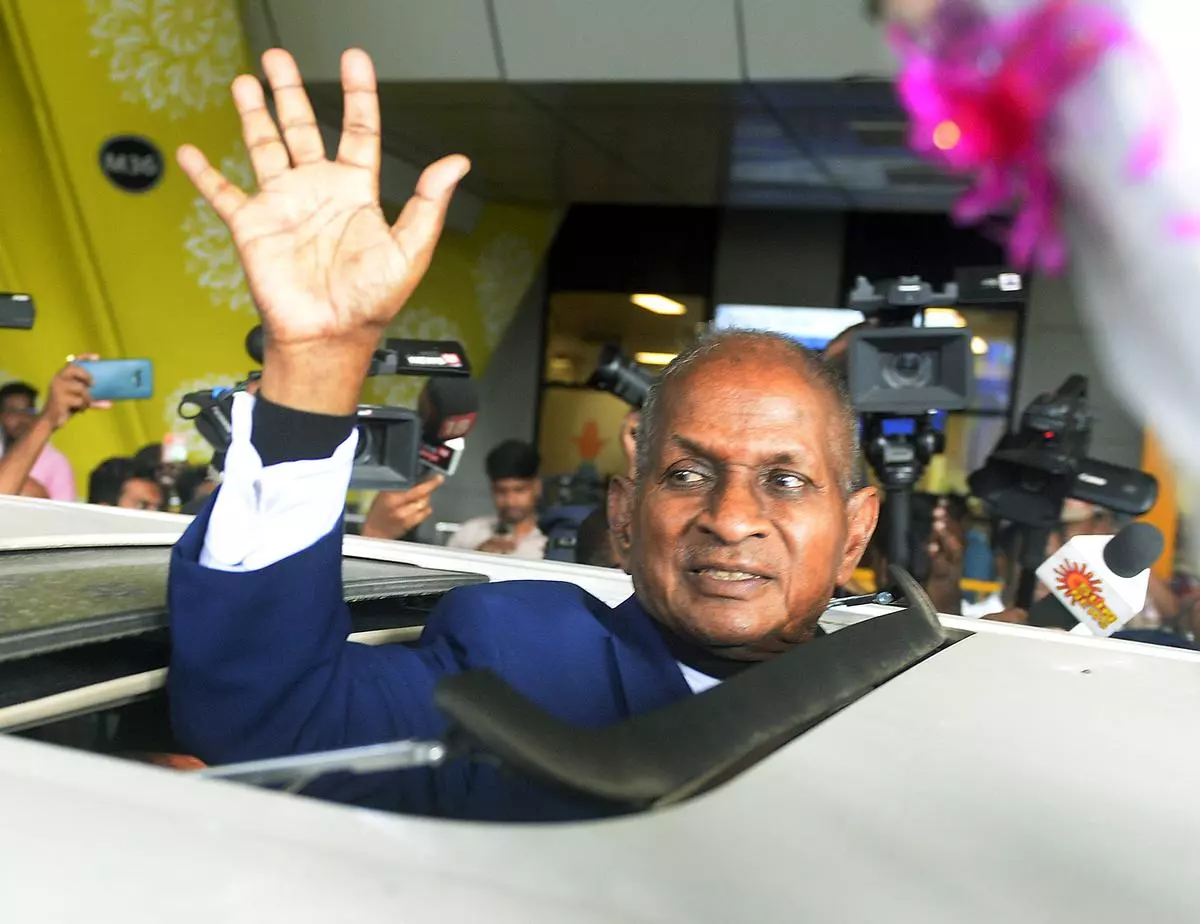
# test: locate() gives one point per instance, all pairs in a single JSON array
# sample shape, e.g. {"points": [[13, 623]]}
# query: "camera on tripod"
{"points": [[902, 370], [393, 444], [900, 376]]}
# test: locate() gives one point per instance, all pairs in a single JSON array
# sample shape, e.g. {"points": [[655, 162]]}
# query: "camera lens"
{"points": [[908, 370]]}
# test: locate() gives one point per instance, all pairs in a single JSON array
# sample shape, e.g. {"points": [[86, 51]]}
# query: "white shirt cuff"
{"points": [[263, 515]]}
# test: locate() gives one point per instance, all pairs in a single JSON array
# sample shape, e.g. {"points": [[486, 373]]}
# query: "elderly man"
{"points": [[741, 521]]}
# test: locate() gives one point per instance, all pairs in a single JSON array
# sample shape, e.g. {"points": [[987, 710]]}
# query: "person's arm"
{"points": [[395, 514], [945, 547], [260, 662], [18, 461], [1163, 599], [67, 396]]}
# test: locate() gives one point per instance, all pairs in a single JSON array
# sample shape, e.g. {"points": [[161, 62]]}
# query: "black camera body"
{"points": [[619, 375], [899, 370], [389, 445], [388, 455], [1036, 468]]}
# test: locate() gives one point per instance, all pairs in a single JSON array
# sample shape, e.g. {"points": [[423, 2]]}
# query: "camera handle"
{"points": [[898, 461], [1030, 550]]}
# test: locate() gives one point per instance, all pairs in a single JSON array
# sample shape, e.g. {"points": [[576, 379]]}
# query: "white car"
{"points": [[1010, 775]]}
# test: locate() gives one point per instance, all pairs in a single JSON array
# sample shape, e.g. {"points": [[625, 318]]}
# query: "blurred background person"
{"points": [[594, 543], [120, 483], [512, 468], [27, 451]]}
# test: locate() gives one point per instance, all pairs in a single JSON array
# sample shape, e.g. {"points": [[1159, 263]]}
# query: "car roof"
{"points": [[1010, 777], [1018, 774]]}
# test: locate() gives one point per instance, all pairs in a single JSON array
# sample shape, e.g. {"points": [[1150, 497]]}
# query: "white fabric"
{"points": [[985, 607], [474, 533], [697, 681], [264, 515]]}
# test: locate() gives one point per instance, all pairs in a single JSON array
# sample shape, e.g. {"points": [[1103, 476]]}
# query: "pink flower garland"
{"points": [[983, 95]]}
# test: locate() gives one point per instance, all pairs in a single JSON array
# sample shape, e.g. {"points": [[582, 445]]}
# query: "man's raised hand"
{"points": [[327, 272]]}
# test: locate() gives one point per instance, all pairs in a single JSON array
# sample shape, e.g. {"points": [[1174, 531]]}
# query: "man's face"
{"points": [[141, 494], [16, 416], [740, 531], [515, 498]]}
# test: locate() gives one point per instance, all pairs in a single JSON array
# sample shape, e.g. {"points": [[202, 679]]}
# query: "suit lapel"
{"points": [[650, 676]]}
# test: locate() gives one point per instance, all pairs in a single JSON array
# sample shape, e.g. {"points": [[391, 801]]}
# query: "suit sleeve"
{"points": [[261, 665]]}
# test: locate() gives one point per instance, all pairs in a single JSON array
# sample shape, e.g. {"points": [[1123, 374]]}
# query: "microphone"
{"points": [[255, 341], [1099, 581], [448, 410]]}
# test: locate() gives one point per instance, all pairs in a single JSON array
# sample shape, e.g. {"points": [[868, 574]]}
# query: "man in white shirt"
{"points": [[512, 468]]}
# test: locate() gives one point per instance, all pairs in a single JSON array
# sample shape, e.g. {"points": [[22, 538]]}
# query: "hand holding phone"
{"points": [[66, 396]]}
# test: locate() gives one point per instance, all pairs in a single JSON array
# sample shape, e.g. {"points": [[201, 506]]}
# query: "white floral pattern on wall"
{"points": [[212, 260], [173, 56], [502, 272]]}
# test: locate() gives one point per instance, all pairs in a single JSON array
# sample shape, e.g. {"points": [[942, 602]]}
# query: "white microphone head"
{"points": [[1081, 581]]}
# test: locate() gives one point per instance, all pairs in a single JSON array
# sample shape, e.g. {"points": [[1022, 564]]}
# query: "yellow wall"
{"points": [[579, 426], [1165, 512], [155, 274]]}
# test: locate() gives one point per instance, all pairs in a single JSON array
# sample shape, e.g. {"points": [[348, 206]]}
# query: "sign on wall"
{"points": [[132, 163]]}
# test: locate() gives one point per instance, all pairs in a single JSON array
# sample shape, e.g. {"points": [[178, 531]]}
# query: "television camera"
{"points": [[1036, 467], [619, 375], [899, 376], [394, 444]]}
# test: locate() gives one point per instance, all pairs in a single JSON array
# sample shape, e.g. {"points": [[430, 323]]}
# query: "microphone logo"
{"points": [[1078, 584]]}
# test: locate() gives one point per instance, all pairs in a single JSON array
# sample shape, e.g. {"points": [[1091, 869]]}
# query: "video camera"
{"points": [[394, 444], [899, 377], [901, 370], [621, 376], [1034, 469], [1042, 463]]}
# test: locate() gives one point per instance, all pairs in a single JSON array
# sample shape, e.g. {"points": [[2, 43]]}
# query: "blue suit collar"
{"points": [[650, 676]]}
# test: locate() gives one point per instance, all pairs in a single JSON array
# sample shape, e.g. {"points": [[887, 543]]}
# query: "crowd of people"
{"points": [[953, 545], [31, 466], [743, 509]]}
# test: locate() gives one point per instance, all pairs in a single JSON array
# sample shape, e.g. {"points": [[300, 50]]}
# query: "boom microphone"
{"points": [[1099, 581], [448, 409]]}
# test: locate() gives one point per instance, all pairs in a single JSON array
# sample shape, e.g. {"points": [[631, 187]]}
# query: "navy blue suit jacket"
{"points": [[261, 667]]}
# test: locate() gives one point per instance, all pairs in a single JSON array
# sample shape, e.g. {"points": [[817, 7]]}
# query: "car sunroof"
{"points": [[59, 598]]}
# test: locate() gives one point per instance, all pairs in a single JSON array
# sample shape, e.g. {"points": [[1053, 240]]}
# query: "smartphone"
{"points": [[16, 311], [120, 379]]}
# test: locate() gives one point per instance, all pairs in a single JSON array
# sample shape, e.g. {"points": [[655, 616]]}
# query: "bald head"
{"points": [[742, 520], [737, 351]]}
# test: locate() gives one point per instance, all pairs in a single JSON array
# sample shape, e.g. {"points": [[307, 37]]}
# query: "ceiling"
{"points": [[803, 145]]}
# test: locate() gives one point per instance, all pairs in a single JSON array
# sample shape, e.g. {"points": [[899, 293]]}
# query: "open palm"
{"points": [[321, 260]]}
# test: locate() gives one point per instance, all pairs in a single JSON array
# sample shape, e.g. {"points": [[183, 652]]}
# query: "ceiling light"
{"points": [[979, 346], [944, 317], [653, 359], [659, 304]]}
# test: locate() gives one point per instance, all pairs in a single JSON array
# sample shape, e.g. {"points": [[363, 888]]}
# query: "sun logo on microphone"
{"points": [[1076, 581], [1081, 586]]}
